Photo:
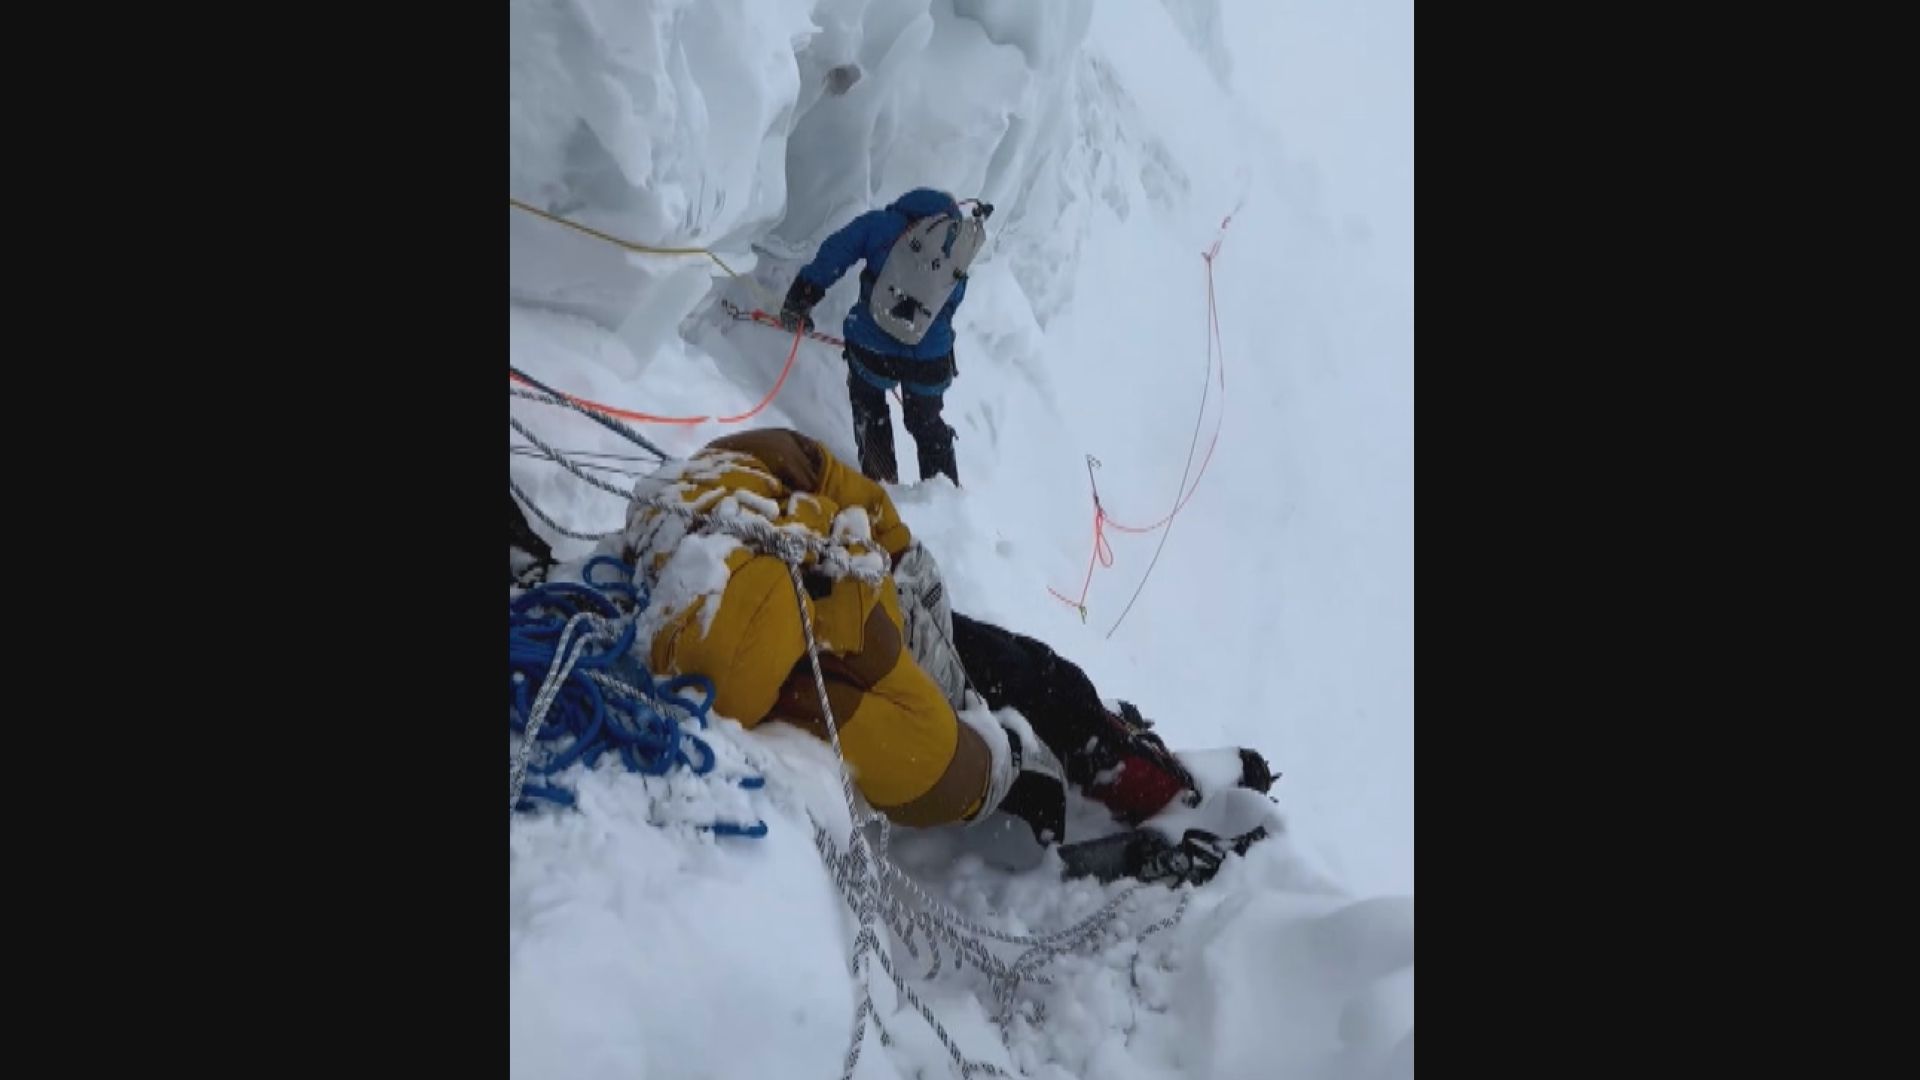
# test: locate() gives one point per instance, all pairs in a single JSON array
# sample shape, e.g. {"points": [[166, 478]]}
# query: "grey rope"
{"points": [[565, 463], [857, 863], [554, 397], [596, 466], [790, 544], [864, 876]]}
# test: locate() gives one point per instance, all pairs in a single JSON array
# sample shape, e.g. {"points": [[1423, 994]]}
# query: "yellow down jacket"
{"points": [[725, 611]]}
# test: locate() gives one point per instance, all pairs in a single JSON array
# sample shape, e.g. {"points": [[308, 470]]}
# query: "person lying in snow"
{"points": [[897, 662], [1107, 749]]}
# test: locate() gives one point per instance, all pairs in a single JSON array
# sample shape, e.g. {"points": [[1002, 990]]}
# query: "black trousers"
{"points": [[873, 431], [1055, 696]]}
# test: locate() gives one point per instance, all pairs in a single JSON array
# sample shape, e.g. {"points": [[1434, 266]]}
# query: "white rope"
{"points": [[863, 877], [564, 657]]}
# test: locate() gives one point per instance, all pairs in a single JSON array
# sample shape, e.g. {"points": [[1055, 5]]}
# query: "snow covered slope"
{"points": [[1113, 139]]}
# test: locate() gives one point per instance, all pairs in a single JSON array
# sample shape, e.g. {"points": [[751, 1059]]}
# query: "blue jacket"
{"points": [[871, 236]]}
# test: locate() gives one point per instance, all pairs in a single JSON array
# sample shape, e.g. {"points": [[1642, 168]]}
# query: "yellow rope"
{"points": [[646, 249]]}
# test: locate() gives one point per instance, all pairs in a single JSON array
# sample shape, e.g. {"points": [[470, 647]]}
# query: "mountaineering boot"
{"points": [[932, 437], [1128, 768], [1038, 795], [1026, 782]]}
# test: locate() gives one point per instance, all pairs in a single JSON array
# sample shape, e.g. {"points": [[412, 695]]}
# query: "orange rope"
{"points": [[764, 319], [649, 418], [1213, 319], [777, 384], [1102, 551]]}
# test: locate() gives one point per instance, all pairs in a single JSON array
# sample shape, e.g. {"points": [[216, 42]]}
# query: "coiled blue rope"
{"points": [[608, 702]]}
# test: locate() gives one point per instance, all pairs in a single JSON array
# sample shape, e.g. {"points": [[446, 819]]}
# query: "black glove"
{"points": [[801, 296]]}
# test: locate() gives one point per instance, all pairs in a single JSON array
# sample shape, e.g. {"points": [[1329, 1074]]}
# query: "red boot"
{"points": [[1133, 774]]}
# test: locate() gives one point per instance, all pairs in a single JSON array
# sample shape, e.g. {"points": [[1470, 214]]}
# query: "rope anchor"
{"points": [[1102, 554]]}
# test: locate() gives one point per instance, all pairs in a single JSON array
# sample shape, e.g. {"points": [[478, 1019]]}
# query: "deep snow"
{"points": [[1113, 140]]}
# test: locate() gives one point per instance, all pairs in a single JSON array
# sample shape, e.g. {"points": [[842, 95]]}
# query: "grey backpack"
{"points": [[926, 264]]}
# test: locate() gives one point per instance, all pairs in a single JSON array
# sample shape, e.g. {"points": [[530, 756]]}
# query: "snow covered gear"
{"points": [[725, 611], [929, 620], [1113, 759], [575, 693], [1110, 754], [895, 657], [927, 263]]}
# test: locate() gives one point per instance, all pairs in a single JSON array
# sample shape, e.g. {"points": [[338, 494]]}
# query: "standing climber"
{"points": [[900, 332]]}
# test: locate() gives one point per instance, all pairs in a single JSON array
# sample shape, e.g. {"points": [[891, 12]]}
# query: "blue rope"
{"points": [[624, 711]]}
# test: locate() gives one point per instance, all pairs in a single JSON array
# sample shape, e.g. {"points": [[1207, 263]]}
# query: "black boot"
{"points": [[932, 436], [1038, 795]]}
